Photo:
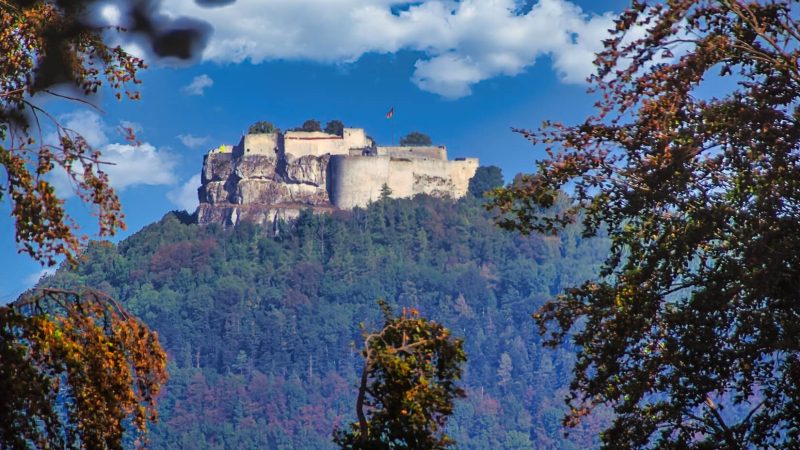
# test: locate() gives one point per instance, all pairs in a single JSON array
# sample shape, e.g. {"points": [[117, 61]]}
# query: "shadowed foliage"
{"points": [[335, 126], [416, 138], [310, 125], [486, 179], [262, 126]]}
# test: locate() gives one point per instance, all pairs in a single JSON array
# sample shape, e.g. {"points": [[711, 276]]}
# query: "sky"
{"points": [[464, 72]]}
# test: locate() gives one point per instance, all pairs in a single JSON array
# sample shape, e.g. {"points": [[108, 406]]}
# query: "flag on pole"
{"points": [[390, 114]]}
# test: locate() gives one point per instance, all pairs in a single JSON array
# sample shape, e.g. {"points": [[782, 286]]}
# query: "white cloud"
{"points": [[464, 42], [193, 141], [127, 164], [34, 278], [185, 195], [87, 124], [198, 85], [131, 165]]}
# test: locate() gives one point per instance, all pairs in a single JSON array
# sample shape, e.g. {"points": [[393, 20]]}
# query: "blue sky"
{"points": [[462, 72]]}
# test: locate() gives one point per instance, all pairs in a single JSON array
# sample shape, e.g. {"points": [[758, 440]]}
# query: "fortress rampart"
{"points": [[427, 152], [358, 180], [275, 175], [316, 143]]}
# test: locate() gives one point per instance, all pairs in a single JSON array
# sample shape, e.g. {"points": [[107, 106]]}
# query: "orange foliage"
{"points": [[77, 370]]}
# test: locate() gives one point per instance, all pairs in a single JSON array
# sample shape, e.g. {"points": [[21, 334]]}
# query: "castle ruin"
{"points": [[267, 176]]}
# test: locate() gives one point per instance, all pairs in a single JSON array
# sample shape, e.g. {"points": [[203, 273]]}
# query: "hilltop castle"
{"points": [[275, 175]]}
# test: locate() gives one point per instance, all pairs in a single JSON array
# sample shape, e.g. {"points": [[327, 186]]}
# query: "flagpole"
{"points": [[390, 116]]}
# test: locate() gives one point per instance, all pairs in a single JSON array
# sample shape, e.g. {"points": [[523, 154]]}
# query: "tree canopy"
{"points": [[691, 332], [486, 179], [260, 323], [310, 125], [77, 371], [262, 126], [416, 138], [411, 367], [335, 126]]}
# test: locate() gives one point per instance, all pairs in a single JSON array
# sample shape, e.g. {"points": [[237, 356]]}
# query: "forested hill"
{"points": [[262, 326]]}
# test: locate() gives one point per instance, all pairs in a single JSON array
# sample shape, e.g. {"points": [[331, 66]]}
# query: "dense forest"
{"points": [[262, 326]]}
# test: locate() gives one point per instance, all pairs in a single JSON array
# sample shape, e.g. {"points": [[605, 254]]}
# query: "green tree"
{"points": [[691, 333], [408, 385], [386, 192], [416, 138], [335, 127], [504, 369], [311, 125], [486, 179], [262, 126]]}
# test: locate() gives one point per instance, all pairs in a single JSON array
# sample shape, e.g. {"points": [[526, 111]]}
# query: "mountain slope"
{"points": [[262, 326]]}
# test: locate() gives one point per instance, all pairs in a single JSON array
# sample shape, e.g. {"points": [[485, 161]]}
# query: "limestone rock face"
{"points": [[230, 215], [214, 192], [256, 166], [217, 167], [433, 185], [268, 192], [260, 188], [308, 169]]}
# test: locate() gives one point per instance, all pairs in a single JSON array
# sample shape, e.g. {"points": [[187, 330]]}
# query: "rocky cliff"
{"points": [[260, 188]]}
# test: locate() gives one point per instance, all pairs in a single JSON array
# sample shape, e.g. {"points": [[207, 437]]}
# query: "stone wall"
{"points": [[357, 180], [316, 143], [416, 152], [258, 144], [274, 176], [461, 171]]}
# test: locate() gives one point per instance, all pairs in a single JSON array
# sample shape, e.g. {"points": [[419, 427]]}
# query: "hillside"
{"points": [[260, 325]]}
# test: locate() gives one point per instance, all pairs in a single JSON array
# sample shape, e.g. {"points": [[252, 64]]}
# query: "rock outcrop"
{"points": [[260, 188]]}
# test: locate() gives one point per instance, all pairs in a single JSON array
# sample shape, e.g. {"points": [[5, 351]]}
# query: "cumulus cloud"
{"points": [[463, 42], [193, 141], [198, 85], [127, 164], [185, 195], [132, 165]]}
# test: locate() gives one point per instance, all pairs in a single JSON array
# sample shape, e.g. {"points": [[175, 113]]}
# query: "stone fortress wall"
{"points": [[415, 152], [358, 180], [275, 175], [316, 143]]}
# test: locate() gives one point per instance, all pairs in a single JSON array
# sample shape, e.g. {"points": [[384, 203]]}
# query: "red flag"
{"points": [[390, 114]]}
